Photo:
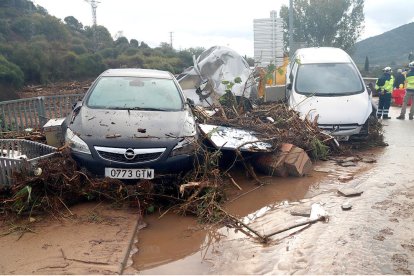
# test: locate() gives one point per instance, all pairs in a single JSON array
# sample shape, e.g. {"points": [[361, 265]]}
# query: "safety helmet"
{"points": [[411, 64], [387, 69]]}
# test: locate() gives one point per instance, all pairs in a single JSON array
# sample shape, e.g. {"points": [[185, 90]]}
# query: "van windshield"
{"points": [[328, 79]]}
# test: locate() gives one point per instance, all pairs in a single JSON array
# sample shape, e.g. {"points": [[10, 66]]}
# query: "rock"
{"points": [[345, 178], [301, 211], [347, 164], [351, 159], [349, 192], [346, 206], [368, 160], [324, 170]]}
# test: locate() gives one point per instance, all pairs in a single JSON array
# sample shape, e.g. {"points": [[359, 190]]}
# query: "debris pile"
{"points": [[73, 87], [276, 124], [57, 184]]}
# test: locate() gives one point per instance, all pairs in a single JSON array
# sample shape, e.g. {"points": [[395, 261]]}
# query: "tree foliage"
{"points": [[10, 73], [319, 23]]}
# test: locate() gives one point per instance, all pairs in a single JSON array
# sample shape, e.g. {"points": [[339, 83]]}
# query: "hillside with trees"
{"points": [[37, 48], [391, 48]]}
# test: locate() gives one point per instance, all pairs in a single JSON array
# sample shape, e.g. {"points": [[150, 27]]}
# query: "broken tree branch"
{"points": [[309, 221]]}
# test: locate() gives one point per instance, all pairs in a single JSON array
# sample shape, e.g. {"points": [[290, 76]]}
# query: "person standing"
{"points": [[409, 93], [399, 79], [384, 86]]}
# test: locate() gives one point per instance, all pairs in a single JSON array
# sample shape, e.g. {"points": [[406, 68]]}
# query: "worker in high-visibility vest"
{"points": [[409, 93], [384, 86]]}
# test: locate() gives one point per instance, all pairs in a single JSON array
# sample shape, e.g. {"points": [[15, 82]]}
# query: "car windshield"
{"points": [[135, 93], [328, 79]]}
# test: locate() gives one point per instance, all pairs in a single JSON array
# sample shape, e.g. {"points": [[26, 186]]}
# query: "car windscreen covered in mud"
{"points": [[135, 93]]}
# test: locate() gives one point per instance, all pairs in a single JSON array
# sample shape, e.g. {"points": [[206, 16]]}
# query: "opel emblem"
{"points": [[129, 154]]}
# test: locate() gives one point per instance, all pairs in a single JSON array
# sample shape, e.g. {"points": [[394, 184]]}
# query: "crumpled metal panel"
{"points": [[215, 65], [228, 138]]}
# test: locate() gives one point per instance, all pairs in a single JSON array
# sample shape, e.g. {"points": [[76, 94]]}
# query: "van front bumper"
{"points": [[341, 130]]}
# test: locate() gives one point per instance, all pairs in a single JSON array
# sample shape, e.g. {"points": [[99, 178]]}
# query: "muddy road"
{"points": [[374, 237]]}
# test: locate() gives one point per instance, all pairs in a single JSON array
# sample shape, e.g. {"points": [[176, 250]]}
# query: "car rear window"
{"points": [[135, 93], [328, 79]]}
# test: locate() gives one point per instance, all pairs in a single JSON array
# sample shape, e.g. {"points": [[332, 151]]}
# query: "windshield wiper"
{"points": [[147, 108]]}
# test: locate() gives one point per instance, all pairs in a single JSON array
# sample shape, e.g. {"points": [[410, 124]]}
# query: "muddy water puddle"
{"points": [[179, 245]]}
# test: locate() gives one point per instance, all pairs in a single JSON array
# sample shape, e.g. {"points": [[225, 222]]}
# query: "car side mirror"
{"points": [[77, 106], [75, 110], [202, 86], [190, 102], [289, 86]]}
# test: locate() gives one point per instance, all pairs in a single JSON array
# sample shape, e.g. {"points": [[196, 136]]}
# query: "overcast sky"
{"points": [[207, 23]]}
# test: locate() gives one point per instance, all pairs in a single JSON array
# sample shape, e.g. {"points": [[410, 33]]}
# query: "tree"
{"points": [[144, 45], [73, 23], [366, 66], [99, 36], [320, 23], [121, 42], [134, 43]]}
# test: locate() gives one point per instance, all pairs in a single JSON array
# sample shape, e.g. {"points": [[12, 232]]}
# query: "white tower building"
{"points": [[268, 40]]}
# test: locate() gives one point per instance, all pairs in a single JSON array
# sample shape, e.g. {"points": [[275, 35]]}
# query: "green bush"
{"points": [[10, 74]]}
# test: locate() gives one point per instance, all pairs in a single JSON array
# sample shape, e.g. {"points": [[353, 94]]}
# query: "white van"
{"points": [[325, 84]]}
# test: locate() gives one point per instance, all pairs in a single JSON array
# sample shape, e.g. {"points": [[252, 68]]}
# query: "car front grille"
{"points": [[118, 154], [335, 128]]}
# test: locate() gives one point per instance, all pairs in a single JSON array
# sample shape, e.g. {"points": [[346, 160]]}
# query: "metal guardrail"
{"points": [[17, 115], [20, 155], [369, 80]]}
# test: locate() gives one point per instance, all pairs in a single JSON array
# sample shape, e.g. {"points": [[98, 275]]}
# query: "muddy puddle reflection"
{"points": [[179, 245]]}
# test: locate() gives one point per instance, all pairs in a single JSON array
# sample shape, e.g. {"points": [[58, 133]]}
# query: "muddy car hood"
{"points": [[93, 124]]}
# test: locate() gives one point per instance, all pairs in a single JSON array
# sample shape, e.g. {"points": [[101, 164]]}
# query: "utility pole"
{"points": [[171, 39], [94, 5], [290, 28]]}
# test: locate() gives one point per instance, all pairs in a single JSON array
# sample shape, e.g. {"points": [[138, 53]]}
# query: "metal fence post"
{"points": [[41, 111]]}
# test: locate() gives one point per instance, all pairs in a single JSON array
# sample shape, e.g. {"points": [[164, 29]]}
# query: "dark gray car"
{"points": [[133, 124]]}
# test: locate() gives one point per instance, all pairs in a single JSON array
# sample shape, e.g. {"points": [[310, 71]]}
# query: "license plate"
{"points": [[129, 173]]}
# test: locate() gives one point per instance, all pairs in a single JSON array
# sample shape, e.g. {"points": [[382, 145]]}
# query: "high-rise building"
{"points": [[268, 40]]}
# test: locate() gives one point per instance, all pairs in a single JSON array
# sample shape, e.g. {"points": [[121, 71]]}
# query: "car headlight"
{"points": [[188, 145], [75, 143]]}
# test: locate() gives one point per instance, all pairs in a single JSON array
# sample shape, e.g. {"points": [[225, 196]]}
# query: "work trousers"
{"points": [[409, 94], [384, 105]]}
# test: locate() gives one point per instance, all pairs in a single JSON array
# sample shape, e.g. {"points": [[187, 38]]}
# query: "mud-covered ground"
{"points": [[91, 238], [374, 237]]}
